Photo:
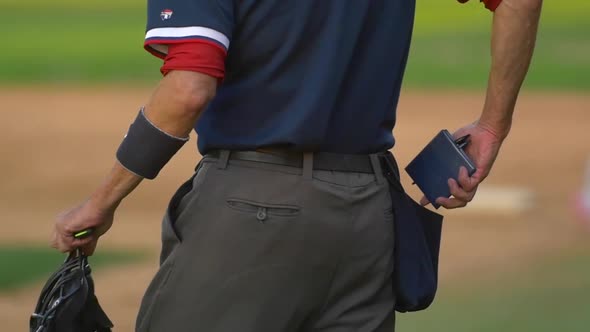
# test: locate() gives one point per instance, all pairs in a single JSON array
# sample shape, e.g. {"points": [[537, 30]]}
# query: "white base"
{"points": [[501, 199]]}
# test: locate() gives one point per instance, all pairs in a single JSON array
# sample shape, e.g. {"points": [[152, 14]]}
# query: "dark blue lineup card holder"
{"points": [[439, 161]]}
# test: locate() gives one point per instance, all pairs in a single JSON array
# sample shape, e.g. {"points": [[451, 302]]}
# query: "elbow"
{"points": [[197, 97], [192, 91]]}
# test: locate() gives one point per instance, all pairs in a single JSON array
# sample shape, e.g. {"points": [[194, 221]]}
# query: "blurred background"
{"points": [[73, 74]]}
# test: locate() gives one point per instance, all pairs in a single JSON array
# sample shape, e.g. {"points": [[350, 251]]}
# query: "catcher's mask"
{"points": [[67, 302]]}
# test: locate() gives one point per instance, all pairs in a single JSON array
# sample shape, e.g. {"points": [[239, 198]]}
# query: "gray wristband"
{"points": [[146, 149]]}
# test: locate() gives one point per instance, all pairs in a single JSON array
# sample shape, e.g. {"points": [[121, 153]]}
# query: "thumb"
{"points": [[478, 176]]}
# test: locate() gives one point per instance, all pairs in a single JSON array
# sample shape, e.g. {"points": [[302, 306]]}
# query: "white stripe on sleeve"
{"points": [[188, 32]]}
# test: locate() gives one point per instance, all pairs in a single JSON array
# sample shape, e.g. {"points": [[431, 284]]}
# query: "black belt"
{"points": [[358, 163]]}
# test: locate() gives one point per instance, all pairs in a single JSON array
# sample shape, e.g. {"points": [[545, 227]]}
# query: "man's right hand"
{"points": [[483, 149], [84, 216]]}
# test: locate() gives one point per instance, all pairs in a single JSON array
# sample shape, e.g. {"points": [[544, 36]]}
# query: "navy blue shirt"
{"points": [[312, 75]]}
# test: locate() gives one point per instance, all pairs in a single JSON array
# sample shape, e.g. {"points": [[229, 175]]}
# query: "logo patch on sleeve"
{"points": [[166, 14]]}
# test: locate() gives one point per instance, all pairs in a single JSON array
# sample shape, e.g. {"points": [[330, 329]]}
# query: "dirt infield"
{"points": [[57, 144]]}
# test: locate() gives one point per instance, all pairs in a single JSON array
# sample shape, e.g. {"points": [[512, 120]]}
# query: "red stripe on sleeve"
{"points": [[492, 4], [197, 55]]}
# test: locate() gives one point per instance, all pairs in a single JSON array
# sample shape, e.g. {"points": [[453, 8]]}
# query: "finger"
{"points": [[69, 243], [81, 243], [424, 201], [450, 203], [62, 245], [53, 240], [465, 181], [458, 192]]}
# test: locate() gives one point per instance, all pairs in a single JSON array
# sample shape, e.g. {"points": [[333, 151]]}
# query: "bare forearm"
{"points": [[174, 107], [116, 186], [513, 41]]}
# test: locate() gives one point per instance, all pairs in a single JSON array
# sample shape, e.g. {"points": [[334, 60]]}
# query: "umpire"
{"points": [[286, 224]]}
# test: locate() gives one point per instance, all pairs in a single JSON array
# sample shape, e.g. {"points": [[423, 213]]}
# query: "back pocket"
{"points": [[263, 211]]}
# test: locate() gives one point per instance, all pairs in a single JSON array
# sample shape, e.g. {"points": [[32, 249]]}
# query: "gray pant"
{"points": [[255, 247]]}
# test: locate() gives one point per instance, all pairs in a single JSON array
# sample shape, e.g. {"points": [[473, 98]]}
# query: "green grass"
{"points": [[22, 265], [451, 47], [552, 296], [84, 45], [562, 62], [101, 41]]}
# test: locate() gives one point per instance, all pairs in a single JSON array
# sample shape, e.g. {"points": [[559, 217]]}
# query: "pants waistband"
{"points": [[380, 164]]}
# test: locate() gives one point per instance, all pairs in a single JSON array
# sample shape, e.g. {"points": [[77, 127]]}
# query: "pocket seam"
{"points": [[340, 185], [295, 210]]}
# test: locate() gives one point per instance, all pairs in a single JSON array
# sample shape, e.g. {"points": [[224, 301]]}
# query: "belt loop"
{"points": [[223, 159], [308, 165], [376, 163]]}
